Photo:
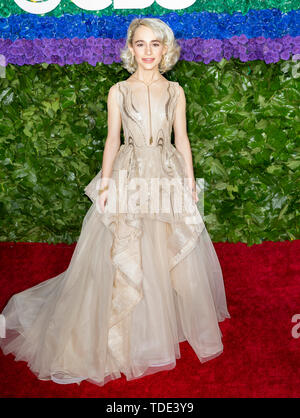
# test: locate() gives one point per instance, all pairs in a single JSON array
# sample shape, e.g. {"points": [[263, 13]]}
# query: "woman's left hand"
{"points": [[195, 196], [194, 191]]}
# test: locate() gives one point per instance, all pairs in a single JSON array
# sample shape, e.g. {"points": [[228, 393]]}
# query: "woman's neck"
{"points": [[146, 77]]}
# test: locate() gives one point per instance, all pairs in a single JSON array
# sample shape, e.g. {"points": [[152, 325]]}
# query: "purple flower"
{"points": [[285, 55], [197, 58], [190, 43], [66, 42], [61, 51], [98, 50], [107, 60], [107, 42], [69, 59], [197, 49], [242, 39], [244, 57], [37, 43], [260, 40], [234, 40], [296, 49], [75, 41], [93, 61], [242, 50], [227, 53], [29, 53], [87, 53], [98, 42], [78, 52], [90, 42], [19, 61], [252, 56]]}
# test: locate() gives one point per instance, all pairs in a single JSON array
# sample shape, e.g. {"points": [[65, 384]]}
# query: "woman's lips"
{"points": [[148, 59]]}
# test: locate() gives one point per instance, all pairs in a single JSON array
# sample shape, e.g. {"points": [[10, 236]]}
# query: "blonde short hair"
{"points": [[163, 33]]}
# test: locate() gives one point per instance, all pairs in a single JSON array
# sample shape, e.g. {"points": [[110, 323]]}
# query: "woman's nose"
{"points": [[148, 49]]}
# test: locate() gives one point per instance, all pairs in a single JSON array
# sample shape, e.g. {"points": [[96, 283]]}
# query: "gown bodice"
{"points": [[147, 114], [147, 111]]}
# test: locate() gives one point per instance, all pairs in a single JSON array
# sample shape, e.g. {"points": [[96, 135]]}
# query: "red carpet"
{"points": [[261, 357]]}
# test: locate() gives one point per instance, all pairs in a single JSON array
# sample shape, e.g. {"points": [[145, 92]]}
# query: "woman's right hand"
{"points": [[102, 200]]}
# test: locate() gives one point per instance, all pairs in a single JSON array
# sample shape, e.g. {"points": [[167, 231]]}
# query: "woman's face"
{"points": [[148, 51]]}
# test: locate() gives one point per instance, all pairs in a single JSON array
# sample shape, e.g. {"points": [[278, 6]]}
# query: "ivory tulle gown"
{"points": [[137, 283]]}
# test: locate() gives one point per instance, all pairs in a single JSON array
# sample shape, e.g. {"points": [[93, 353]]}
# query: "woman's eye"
{"points": [[152, 44]]}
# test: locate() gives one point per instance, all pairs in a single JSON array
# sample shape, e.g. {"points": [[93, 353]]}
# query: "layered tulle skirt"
{"points": [[135, 288]]}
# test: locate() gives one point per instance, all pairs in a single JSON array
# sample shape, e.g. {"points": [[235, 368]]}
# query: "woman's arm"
{"points": [[182, 142], [113, 141]]}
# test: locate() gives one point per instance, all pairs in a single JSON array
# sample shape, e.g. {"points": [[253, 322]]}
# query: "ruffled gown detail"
{"points": [[138, 283]]}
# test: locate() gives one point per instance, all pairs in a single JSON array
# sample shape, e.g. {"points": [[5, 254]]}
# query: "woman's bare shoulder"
{"points": [[115, 86], [177, 86]]}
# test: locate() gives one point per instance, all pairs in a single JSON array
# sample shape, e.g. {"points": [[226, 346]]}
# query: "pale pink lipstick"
{"points": [[148, 60]]}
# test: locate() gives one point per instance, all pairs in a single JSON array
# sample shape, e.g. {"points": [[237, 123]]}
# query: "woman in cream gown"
{"points": [[139, 281]]}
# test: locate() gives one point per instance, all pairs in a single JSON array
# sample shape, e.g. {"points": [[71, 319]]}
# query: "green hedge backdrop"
{"points": [[243, 125]]}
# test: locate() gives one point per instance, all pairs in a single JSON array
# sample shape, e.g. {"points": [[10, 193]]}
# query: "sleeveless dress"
{"points": [[139, 282]]}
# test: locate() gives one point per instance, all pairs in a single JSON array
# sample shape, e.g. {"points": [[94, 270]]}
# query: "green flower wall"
{"points": [[243, 124]]}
